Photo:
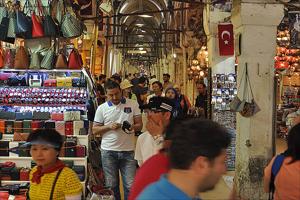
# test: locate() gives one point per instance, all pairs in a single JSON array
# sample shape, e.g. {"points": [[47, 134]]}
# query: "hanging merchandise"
{"points": [[75, 60], [249, 106], [47, 62], [1, 57], [51, 28], [23, 28], [61, 61], [37, 21], [4, 21], [294, 21], [57, 10], [21, 58], [9, 58], [35, 62], [11, 26], [71, 27]]}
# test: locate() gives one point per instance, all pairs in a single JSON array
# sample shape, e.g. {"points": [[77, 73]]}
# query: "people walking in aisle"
{"points": [[184, 101], [101, 79], [141, 91], [50, 179], [201, 100], [117, 78], [117, 145], [285, 181], [126, 88], [197, 161], [135, 80], [158, 117], [167, 84], [177, 112], [157, 88]]}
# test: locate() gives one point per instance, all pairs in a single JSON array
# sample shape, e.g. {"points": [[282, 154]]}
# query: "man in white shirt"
{"points": [[117, 145], [158, 117]]}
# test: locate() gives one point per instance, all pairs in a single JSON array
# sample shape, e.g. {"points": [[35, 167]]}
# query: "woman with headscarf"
{"points": [[177, 111]]}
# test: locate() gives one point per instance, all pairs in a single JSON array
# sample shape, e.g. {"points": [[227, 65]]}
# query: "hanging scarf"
{"points": [[39, 173]]}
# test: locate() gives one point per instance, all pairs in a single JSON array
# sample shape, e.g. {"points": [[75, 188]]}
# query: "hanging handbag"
{"points": [[250, 107], [75, 60], [71, 27], [57, 10], [1, 57], [35, 62], [4, 23], [47, 62], [21, 59], [23, 26], [37, 21], [9, 58], [61, 61], [11, 25], [51, 28]]}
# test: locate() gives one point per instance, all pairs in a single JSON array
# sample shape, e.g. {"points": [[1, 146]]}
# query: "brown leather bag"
{"points": [[61, 62], [21, 59], [1, 57]]}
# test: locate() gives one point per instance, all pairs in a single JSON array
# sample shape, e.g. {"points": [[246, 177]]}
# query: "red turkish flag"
{"points": [[226, 38]]}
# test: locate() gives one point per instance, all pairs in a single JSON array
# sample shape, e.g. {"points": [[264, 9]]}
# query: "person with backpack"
{"points": [[282, 175]]}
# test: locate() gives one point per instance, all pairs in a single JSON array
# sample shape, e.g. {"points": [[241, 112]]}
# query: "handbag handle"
{"points": [[54, 183], [247, 85], [39, 7]]}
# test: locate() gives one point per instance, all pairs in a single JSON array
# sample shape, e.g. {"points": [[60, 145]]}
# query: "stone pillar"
{"points": [[257, 23]]}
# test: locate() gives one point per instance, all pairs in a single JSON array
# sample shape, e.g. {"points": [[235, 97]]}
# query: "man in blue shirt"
{"points": [[197, 158]]}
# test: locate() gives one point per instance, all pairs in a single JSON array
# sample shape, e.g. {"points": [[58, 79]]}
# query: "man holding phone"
{"points": [[117, 145]]}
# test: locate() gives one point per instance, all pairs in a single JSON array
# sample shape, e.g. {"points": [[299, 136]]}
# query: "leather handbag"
{"points": [[80, 151], [4, 146], [77, 126], [47, 62], [61, 61], [72, 116], [60, 127], [21, 59], [64, 81], [57, 10], [18, 126], [50, 124], [69, 128], [37, 124], [24, 174], [2, 126], [70, 146], [17, 80], [23, 115], [50, 27], [7, 115], [57, 116], [4, 25], [71, 27], [35, 80], [23, 26], [50, 83], [18, 136], [40, 115], [78, 82], [27, 126], [9, 58], [35, 62], [9, 127], [75, 60], [11, 25], [1, 57], [37, 21]]}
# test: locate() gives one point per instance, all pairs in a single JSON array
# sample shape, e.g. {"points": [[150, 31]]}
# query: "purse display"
{"points": [[75, 60], [61, 61], [37, 21], [47, 62], [40, 115], [23, 26], [18, 126], [50, 83], [72, 116], [35, 79], [35, 62], [69, 128], [71, 27]]}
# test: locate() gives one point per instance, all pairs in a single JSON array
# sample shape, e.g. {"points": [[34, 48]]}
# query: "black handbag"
{"points": [[17, 81], [4, 29], [78, 82], [51, 29], [23, 26], [41, 115]]}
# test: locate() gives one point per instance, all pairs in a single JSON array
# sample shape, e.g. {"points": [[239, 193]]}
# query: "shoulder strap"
{"points": [[274, 171], [54, 183]]}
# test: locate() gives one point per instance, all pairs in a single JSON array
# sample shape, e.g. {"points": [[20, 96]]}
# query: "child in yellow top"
{"points": [[50, 172]]}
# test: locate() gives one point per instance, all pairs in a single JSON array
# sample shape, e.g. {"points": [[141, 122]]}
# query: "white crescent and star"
{"points": [[225, 33]]}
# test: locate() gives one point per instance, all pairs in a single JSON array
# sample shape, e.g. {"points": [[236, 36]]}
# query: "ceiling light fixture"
{"points": [[145, 16], [139, 25], [140, 36], [141, 48]]}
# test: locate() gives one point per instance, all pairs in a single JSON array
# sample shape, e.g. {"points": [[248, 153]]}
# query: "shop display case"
{"points": [[32, 99]]}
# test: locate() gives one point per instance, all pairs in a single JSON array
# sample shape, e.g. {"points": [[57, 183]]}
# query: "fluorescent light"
{"points": [[139, 25], [137, 51], [141, 48], [140, 36], [145, 16], [143, 31], [174, 55]]}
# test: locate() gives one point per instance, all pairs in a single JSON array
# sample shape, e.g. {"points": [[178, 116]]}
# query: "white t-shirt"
{"points": [[107, 113], [147, 146]]}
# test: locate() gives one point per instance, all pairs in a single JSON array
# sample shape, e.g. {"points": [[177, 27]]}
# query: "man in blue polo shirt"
{"points": [[197, 158]]}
